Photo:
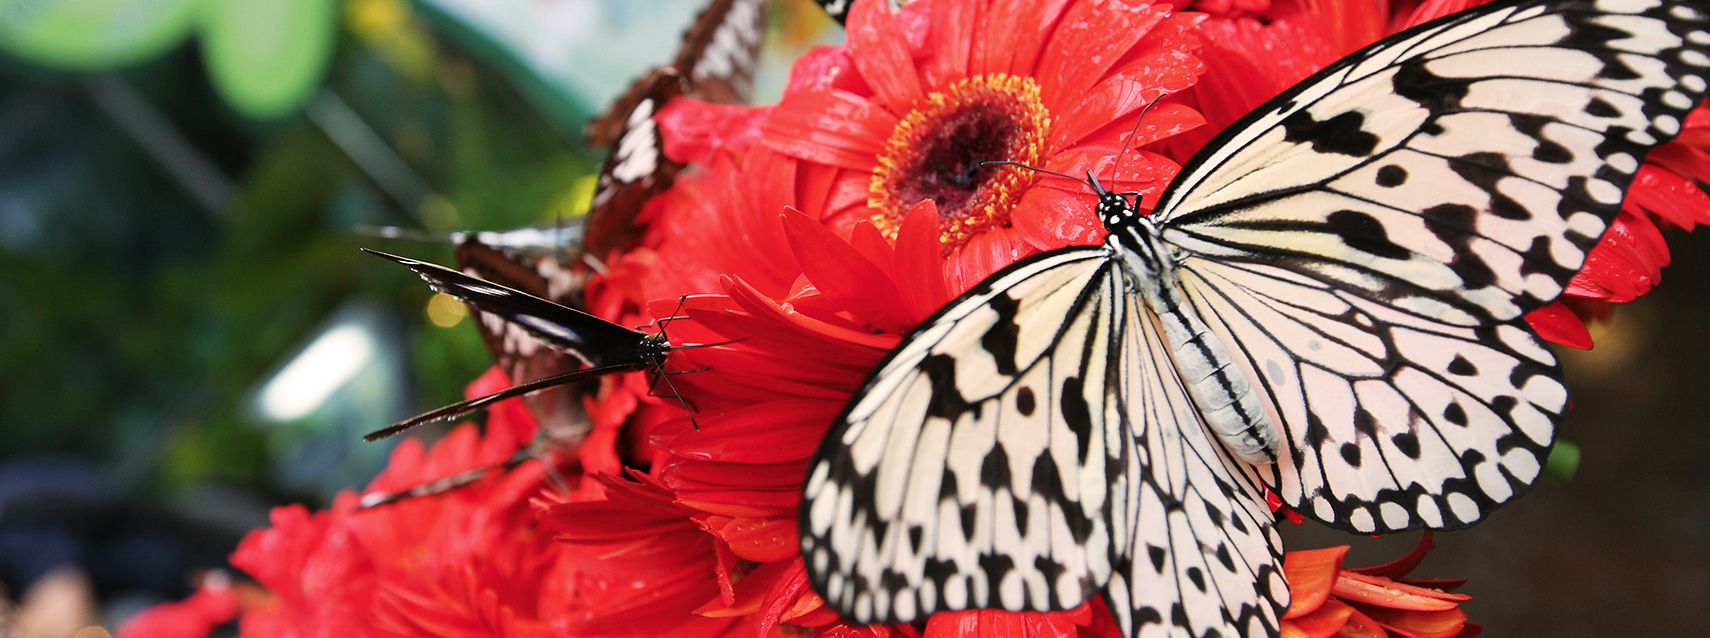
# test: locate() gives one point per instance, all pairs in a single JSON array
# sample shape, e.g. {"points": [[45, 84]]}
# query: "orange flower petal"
{"points": [[1325, 621], [1383, 592], [1311, 575]]}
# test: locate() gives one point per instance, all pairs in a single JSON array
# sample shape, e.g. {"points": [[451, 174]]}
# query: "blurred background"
{"points": [[189, 337]]}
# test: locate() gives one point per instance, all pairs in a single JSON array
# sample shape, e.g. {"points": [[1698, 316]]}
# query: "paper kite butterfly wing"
{"points": [[552, 276], [1368, 243], [1378, 317]]}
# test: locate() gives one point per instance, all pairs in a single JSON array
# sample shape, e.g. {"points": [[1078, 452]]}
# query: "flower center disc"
{"points": [[936, 151]]}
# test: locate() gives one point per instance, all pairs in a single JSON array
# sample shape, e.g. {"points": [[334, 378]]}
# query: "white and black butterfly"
{"points": [[1327, 303]]}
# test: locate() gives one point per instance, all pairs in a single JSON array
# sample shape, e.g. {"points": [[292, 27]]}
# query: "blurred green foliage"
{"points": [[161, 250]]}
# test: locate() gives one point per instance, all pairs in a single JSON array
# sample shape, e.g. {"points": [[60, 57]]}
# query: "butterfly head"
{"points": [[1114, 209]]}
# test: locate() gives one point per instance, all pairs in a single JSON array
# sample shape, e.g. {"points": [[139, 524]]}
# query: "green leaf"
{"points": [[1563, 462], [93, 34], [267, 57]]}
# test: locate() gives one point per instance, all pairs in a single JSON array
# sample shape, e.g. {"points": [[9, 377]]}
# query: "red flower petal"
{"points": [[1407, 563], [785, 426], [694, 131], [953, 38], [1013, 36], [881, 53], [830, 127], [920, 264], [1355, 587], [1079, 54], [213, 604], [1419, 624], [1557, 324], [841, 272], [762, 540]]}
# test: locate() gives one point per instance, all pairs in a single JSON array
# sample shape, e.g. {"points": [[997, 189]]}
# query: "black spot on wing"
{"points": [[1343, 134], [995, 566], [999, 341], [1414, 82], [1408, 443], [1024, 401], [1455, 414], [994, 470], [1365, 233], [1351, 454], [1077, 414], [1391, 176], [946, 401]]}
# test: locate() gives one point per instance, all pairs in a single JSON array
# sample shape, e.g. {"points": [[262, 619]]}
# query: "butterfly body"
{"points": [[1336, 283], [1229, 404]]}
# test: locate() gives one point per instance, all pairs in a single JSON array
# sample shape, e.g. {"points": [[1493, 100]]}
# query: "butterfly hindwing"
{"points": [[1205, 558], [978, 469], [1027, 445], [1396, 422]]}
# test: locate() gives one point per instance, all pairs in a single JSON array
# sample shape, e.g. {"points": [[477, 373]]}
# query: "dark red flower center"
{"points": [[937, 150]]}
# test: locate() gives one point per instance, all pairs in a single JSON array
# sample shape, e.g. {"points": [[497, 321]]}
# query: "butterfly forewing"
{"points": [[721, 49], [521, 355], [977, 469], [1367, 244], [715, 63], [1460, 172]]}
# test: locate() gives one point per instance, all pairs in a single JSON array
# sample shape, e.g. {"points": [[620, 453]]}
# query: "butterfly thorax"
{"points": [[654, 348]]}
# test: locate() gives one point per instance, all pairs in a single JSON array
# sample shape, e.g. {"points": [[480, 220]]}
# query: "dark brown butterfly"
{"points": [[715, 63]]}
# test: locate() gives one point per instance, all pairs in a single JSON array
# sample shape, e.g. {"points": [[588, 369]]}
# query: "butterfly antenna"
{"points": [[1021, 165], [465, 407], [434, 487], [1117, 171]]}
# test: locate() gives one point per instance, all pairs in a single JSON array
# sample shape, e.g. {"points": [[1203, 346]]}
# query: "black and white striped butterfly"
{"points": [[1327, 303]]}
